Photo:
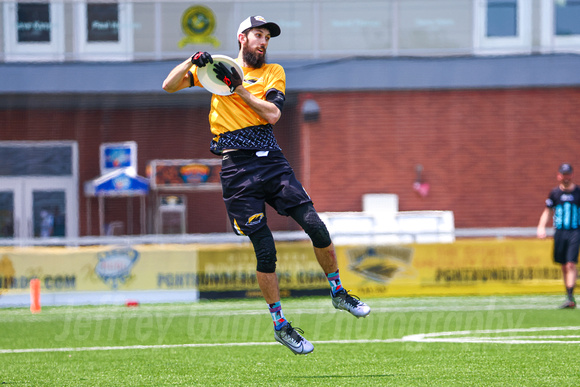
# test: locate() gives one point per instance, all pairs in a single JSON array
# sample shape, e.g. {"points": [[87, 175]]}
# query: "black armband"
{"points": [[191, 81], [276, 97]]}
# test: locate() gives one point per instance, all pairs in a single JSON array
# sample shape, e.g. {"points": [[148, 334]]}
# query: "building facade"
{"points": [[477, 98]]}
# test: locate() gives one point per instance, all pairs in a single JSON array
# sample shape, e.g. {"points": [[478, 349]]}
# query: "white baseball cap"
{"points": [[259, 21]]}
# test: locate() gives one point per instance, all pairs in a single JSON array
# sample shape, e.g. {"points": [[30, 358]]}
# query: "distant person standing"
{"points": [[46, 224], [563, 205]]}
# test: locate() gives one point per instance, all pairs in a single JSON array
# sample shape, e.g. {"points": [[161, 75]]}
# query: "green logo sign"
{"points": [[198, 23]]}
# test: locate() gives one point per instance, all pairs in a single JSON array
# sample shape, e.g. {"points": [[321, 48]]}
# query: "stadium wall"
{"points": [[489, 155], [186, 273]]}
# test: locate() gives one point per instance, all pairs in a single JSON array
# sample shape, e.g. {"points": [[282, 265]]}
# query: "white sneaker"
{"points": [[291, 338], [351, 303]]}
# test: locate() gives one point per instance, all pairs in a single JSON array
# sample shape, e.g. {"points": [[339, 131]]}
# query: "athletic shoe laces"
{"points": [[350, 299], [294, 333]]}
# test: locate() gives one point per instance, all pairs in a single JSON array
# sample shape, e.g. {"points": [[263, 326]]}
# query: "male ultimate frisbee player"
{"points": [[563, 205], [256, 172]]}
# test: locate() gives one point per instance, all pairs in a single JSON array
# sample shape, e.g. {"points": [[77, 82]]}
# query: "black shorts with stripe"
{"points": [[566, 246], [250, 179]]}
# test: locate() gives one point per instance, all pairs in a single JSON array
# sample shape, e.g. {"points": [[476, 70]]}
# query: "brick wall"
{"points": [[490, 156]]}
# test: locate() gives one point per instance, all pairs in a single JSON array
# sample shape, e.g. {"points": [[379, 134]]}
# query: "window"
{"points": [[104, 30], [567, 18], [561, 25], [38, 160], [103, 22], [34, 31], [502, 18], [33, 22], [502, 26]]}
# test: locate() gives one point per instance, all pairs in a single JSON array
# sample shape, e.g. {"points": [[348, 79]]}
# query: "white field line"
{"points": [[471, 336], [196, 312], [419, 338], [165, 346], [507, 340], [383, 304]]}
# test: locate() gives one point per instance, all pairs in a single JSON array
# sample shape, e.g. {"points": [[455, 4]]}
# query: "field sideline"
{"points": [[511, 340]]}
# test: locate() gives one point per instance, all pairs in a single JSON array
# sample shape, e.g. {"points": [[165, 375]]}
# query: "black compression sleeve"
{"points": [[276, 97]]}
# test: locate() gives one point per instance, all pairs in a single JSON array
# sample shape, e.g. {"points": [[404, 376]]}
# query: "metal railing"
{"points": [[282, 236]]}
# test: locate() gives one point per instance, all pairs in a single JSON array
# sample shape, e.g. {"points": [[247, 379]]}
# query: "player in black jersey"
{"points": [[563, 205]]}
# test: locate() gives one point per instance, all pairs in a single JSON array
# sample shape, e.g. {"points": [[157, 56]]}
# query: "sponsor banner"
{"points": [[233, 269], [464, 267], [215, 270], [185, 174], [90, 269]]}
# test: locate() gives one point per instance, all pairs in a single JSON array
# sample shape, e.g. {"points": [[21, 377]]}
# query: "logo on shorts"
{"points": [[255, 219]]}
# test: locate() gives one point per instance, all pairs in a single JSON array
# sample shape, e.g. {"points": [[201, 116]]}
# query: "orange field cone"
{"points": [[35, 295]]}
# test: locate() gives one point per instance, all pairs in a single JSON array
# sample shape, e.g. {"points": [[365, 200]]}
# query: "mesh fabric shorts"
{"points": [[566, 246], [250, 181]]}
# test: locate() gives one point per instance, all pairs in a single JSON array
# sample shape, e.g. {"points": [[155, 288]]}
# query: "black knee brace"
{"points": [[265, 249], [307, 217]]}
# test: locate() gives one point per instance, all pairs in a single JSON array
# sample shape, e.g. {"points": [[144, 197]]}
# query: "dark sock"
{"points": [[570, 292]]}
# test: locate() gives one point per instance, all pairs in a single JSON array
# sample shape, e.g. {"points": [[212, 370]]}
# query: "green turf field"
{"points": [[516, 341]]}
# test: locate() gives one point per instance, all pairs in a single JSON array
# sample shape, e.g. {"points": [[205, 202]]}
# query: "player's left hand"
{"points": [[229, 77]]}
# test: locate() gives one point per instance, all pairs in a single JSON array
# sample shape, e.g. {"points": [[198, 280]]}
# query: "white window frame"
{"points": [[104, 51], [23, 186], [497, 45], [34, 51], [549, 40]]}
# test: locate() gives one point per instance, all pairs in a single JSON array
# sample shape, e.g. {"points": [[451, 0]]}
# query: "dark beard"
{"points": [[253, 60]]}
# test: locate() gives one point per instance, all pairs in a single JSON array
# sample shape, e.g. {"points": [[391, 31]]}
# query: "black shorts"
{"points": [[250, 181], [566, 246]]}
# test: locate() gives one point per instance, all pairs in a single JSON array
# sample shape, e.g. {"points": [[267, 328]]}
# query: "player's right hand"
{"points": [[200, 58], [541, 232]]}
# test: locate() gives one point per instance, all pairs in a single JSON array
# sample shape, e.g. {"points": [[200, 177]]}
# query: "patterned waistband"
{"points": [[253, 137]]}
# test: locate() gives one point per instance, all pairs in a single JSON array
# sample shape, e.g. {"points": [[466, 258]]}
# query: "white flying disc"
{"points": [[209, 79]]}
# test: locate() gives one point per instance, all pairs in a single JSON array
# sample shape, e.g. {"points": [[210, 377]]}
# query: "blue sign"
{"points": [[122, 182], [118, 155]]}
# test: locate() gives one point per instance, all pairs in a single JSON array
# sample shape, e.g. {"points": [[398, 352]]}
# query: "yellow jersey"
{"points": [[230, 113]]}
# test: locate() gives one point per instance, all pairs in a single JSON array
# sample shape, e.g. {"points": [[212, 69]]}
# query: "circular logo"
{"points": [[198, 20]]}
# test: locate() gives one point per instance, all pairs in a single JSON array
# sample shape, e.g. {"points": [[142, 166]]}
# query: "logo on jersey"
{"points": [[567, 198]]}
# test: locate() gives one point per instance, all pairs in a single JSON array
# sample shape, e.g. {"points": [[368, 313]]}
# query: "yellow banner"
{"points": [[233, 268], [98, 268], [214, 268], [463, 267]]}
